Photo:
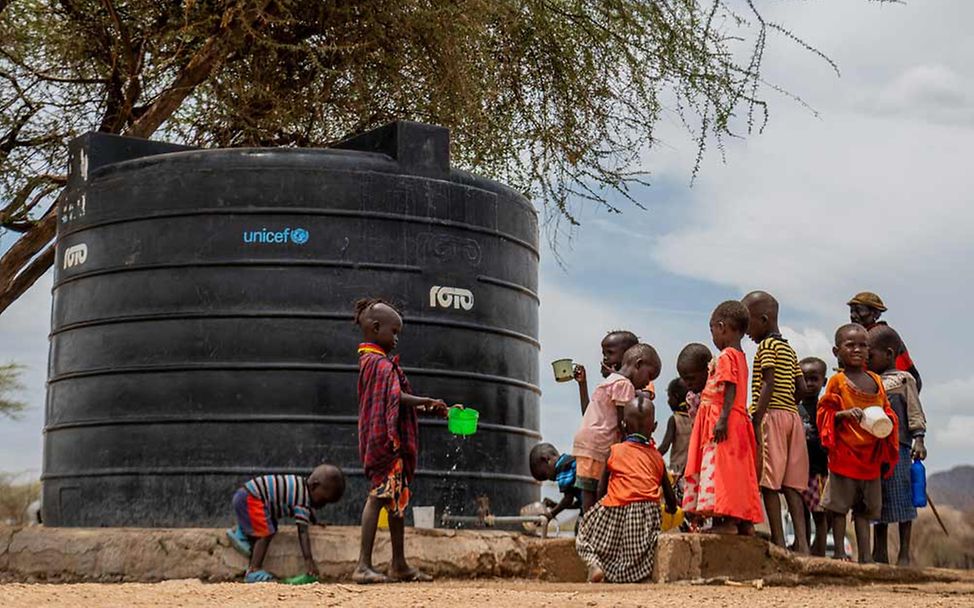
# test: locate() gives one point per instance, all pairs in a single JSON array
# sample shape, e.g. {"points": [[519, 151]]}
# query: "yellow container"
{"points": [[383, 519]]}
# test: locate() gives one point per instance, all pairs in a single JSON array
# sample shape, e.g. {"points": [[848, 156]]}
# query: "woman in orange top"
{"points": [[721, 475], [617, 538]]}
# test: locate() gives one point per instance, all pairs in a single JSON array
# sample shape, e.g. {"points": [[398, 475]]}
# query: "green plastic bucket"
{"points": [[462, 421]]}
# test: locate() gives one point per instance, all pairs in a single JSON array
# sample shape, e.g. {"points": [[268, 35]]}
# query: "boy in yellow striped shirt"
{"points": [[776, 382]]}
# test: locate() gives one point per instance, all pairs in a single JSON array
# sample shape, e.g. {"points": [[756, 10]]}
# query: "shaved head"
{"points": [[845, 330], [761, 303], [640, 416], [883, 337]]}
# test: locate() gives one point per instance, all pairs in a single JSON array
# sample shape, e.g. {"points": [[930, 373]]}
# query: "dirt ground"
{"points": [[493, 594]]}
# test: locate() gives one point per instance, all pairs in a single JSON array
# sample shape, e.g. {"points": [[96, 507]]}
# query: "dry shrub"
{"points": [[931, 547], [16, 494]]}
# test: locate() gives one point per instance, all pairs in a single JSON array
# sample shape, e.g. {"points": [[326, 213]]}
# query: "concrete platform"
{"points": [[35, 554]]}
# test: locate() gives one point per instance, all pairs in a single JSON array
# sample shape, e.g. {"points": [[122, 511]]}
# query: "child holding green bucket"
{"points": [[602, 422], [388, 431]]}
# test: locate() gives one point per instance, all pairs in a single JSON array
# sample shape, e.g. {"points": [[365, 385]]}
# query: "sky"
{"points": [[871, 191]]}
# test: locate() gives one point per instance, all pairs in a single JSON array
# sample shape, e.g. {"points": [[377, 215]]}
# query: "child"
{"points": [[614, 346], [693, 366], [388, 432], [602, 423], [548, 465], [775, 382], [721, 476], [904, 398], [263, 500], [678, 431], [857, 458], [618, 537], [814, 370]]}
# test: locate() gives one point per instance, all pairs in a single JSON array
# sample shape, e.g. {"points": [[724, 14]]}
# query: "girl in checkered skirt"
{"points": [[618, 537]]}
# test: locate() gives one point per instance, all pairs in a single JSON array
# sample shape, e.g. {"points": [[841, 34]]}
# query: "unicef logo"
{"points": [[299, 236]]}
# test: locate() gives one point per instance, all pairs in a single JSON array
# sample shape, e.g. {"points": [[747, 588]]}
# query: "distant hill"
{"points": [[954, 487]]}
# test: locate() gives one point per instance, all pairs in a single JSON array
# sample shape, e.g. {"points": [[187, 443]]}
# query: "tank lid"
{"points": [[417, 147]]}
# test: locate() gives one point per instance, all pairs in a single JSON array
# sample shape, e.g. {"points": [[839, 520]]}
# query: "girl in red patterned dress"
{"points": [[721, 476]]}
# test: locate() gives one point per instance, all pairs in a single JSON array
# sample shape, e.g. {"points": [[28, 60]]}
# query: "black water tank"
{"points": [[202, 327]]}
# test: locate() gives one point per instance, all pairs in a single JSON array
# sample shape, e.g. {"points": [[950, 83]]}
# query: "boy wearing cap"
{"points": [[865, 308]]}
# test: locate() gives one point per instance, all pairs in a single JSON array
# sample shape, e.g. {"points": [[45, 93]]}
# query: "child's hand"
{"points": [[919, 451], [437, 407], [579, 374], [855, 413], [720, 430]]}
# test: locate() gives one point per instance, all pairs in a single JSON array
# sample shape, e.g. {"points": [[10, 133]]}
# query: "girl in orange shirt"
{"points": [[618, 537]]}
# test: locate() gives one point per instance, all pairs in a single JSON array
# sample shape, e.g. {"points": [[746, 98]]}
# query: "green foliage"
{"points": [[9, 384], [557, 97]]}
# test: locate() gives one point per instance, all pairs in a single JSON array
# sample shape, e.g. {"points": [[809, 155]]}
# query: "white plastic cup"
{"points": [[875, 420], [424, 517]]}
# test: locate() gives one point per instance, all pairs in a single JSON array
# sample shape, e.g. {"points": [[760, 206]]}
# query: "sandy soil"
{"points": [[493, 594]]}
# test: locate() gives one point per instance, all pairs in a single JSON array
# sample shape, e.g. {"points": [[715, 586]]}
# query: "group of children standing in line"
{"points": [[729, 462], [725, 459]]}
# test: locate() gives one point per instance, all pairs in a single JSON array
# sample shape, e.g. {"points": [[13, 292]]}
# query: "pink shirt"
{"points": [[600, 424]]}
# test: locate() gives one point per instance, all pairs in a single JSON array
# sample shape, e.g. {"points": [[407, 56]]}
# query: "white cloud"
{"points": [[934, 92]]}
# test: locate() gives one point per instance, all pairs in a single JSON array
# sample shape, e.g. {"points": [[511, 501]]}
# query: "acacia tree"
{"points": [[556, 97]]}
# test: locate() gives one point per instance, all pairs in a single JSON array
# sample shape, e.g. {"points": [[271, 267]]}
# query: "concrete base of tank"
{"points": [[36, 554]]}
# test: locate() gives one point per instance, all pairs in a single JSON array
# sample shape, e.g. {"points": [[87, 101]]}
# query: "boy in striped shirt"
{"points": [[262, 501], [776, 383]]}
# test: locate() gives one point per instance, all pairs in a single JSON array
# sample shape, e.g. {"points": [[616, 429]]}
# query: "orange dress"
{"points": [[721, 478], [853, 451]]}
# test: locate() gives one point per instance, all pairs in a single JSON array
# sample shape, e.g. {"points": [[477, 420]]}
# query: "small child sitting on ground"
{"points": [[548, 465], [815, 371], [721, 474], [618, 537], [776, 381], [614, 347], [602, 423], [904, 398], [262, 501], [388, 434], [857, 458], [678, 430]]}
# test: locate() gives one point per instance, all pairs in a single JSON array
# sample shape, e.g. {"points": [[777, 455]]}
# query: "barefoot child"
{"points": [[388, 431], [782, 453], [602, 423], [618, 537], [904, 398], [857, 459], [814, 370], [263, 500], [614, 346], [548, 465], [677, 434], [721, 476]]}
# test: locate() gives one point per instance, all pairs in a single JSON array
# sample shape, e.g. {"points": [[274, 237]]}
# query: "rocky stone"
{"points": [[147, 555]]}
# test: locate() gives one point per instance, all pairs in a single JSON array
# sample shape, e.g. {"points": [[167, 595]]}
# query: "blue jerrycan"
{"points": [[918, 483]]}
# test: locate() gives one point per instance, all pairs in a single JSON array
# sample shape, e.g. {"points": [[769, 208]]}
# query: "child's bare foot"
{"points": [[903, 561], [866, 559], [408, 575], [595, 575], [368, 576], [745, 528], [723, 528], [842, 557]]}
